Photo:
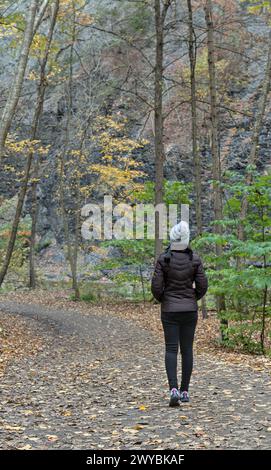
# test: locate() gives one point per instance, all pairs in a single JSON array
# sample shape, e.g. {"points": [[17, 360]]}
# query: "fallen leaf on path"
{"points": [[8, 427], [130, 430], [138, 427], [66, 413], [52, 437], [26, 447]]}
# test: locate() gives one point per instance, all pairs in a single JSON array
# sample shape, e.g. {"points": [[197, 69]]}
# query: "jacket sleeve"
{"points": [[157, 282], [201, 281]]}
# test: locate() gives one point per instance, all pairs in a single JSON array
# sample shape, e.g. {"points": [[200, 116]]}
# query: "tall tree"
{"points": [[264, 91], [160, 17], [72, 248], [217, 197], [34, 202], [192, 49], [29, 158]]}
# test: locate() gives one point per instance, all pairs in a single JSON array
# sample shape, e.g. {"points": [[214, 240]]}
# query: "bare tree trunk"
{"points": [[34, 217], [217, 197], [195, 151], [265, 290], [70, 255], [77, 237], [160, 16], [196, 158], [255, 136], [23, 189], [15, 89], [34, 206], [40, 15], [142, 283], [71, 251]]}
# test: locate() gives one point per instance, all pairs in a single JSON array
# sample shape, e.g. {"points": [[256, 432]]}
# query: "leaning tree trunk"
{"points": [[195, 151], [217, 197], [23, 189], [34, 202], [160, 16], [15, 88]]}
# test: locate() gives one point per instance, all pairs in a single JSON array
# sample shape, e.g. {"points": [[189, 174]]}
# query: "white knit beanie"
{"points": [[179, 236]]}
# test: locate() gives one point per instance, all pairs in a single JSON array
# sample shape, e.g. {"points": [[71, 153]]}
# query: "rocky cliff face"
{"points": [[96, 94]]}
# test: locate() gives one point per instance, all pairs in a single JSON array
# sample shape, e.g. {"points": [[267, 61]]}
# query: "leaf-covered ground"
{"points": [[17, 339], [95, 379], [145, 316]]}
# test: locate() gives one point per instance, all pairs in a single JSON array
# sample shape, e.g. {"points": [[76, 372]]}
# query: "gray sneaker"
{"points": [[174, 397], [184, 397]]}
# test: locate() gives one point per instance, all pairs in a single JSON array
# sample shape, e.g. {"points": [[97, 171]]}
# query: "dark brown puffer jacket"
{"points": [[172, 283]]}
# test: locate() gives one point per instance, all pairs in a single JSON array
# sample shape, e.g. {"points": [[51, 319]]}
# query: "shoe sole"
{"points": [[174, 402]]}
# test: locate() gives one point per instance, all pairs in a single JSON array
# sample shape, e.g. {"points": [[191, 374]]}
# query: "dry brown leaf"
{"points": [[11, 428], [52, 437]]}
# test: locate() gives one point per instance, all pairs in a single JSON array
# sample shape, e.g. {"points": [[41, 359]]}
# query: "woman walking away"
{"points": [[176, 272]]}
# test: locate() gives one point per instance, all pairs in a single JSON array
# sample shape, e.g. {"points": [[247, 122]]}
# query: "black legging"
{"points": [[179, 328]]}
